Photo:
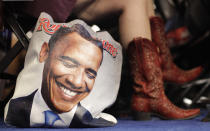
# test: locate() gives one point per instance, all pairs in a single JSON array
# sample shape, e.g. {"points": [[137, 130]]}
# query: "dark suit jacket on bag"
{"points": [[20, 109]]}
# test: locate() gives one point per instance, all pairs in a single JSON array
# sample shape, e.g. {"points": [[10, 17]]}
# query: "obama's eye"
{"points": [[68, 62], [90, 75]]}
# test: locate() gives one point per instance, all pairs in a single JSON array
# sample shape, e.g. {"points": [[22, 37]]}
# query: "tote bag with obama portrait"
{"points": [[70, 75]]}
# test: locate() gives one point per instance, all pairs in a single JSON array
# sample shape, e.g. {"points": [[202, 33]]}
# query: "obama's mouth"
{"points": [[71, 91]]}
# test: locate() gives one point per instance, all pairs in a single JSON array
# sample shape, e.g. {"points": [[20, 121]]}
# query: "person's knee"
{"points": [[98, 9], [133, 4], [103, 8]]}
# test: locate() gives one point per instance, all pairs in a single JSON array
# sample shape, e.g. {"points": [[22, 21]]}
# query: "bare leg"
{"points": [[133, 20]]}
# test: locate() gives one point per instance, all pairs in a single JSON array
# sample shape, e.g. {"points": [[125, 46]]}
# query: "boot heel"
{"points": [[141, 116]]}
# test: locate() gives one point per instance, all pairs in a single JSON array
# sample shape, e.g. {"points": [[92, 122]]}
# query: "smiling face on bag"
{"points": [[69, 72]]}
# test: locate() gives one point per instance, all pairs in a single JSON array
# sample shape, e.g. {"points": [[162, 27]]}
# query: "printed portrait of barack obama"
{"points": [[71, 61]]}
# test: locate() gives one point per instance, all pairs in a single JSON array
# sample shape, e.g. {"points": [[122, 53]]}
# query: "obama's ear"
{"points": [[44, 53]]}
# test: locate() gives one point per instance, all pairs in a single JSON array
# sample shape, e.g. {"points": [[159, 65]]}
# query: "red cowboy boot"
{"points": [[149, 97], [171, 72]]}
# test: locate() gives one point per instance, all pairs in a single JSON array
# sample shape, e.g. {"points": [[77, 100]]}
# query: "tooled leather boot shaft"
{"points": [[141, 92], [136, 71]]}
